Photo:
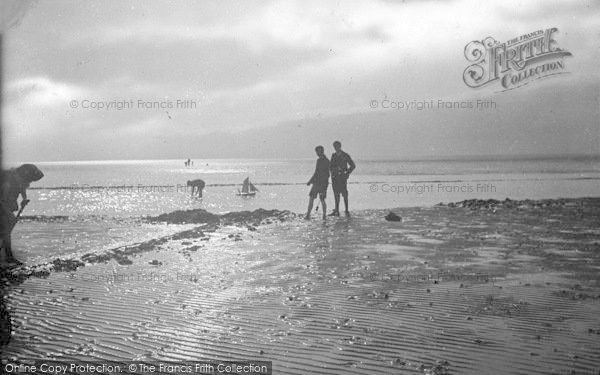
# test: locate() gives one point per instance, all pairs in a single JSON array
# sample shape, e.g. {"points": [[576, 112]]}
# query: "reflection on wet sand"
{"points": [[301, 294]]}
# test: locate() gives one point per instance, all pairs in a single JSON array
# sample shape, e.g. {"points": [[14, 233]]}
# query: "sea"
{"points": [[91, 206]]}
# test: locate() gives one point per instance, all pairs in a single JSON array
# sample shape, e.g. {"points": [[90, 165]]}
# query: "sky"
{"points": [[261, 79]]}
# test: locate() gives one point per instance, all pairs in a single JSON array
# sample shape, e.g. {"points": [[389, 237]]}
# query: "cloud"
{"points": [[254, 64], [36, 105], [42, 92], [12, 12]]}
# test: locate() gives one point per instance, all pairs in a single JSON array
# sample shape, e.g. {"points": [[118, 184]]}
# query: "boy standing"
{"points": [[341, 167], [320, 182]]}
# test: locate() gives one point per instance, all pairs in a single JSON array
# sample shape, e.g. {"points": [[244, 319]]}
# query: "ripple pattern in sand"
{"points": [[299, 294]]}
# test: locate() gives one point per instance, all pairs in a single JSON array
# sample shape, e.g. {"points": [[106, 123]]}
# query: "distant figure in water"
{"points": [[196, 184], [188, 163], [341, 166], [320, 182], [14, 183]]}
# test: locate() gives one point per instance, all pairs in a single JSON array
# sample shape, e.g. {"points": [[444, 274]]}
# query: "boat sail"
{"points": [[248, 189]]}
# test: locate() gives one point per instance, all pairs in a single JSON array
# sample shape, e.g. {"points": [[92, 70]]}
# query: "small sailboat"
{"points": [[248, 189]]}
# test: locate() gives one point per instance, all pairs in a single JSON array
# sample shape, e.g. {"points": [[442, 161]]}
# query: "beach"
{"points": [[488, 286], [172, 172]]}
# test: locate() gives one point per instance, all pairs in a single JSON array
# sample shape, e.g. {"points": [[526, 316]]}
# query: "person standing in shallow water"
{"points": [[196, 185], [320, 182], [341, 166]]}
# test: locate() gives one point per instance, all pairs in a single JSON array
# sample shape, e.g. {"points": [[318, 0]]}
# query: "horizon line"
{"points": [[375, 159]]}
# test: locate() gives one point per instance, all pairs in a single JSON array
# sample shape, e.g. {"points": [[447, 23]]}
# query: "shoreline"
{"points": [[497, 157], [318, 297]]}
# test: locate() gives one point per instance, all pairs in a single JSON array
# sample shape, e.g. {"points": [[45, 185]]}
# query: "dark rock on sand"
{"points": [[67, 264], [121, 254], [45, 219], [200, 216], [188, 216], [19, 274], [235, 237], [477, 204], [392, 217], [189, 234]]}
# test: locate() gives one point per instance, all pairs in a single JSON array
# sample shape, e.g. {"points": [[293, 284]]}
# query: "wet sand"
{"points": [[470, 288]]}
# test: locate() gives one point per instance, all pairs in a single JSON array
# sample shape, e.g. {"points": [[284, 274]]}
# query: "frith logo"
{"points": [[514, 63]]}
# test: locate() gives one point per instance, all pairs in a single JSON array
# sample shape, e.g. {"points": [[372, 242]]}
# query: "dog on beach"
{"points": [[14, 184], [196, 184]]}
